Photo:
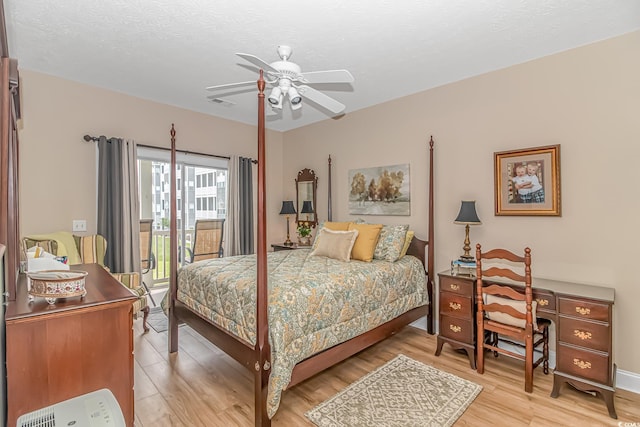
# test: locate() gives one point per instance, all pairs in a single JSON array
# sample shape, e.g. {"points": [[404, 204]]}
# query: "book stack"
{"points": [[463, 268]]}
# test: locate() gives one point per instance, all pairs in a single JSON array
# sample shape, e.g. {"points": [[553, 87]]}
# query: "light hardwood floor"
{"points": [[201, 386]]}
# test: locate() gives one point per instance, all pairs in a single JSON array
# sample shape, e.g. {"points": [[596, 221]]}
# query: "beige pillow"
{"points": [[335, 244], [507, 319], [366, 242], [407, 242]]}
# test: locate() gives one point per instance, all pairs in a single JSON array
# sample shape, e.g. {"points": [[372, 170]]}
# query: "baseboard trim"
{"points": [[629, 381]]}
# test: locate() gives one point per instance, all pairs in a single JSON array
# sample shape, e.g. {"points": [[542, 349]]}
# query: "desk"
{"points": [[77, 345], [583, 316]]}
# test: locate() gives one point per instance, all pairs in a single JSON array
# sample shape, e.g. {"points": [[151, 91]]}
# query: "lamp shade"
{"points": [[287, 208], [467, 214], [307, 207]]}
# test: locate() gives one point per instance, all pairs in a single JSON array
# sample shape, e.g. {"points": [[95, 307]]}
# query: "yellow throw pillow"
{"points": [[407, 242], [366, 242], [337, 226], [334, 244]]}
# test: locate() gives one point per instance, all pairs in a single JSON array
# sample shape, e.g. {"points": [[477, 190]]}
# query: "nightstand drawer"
{"points": [[586, 364], [584, 309], [457, 286], [456, 305], [584, 333], [456, 328]]}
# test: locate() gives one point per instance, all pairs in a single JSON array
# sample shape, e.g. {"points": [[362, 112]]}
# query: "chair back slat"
{"points": [[503, 291], [500, 308], [503, 272], [502, 254]]}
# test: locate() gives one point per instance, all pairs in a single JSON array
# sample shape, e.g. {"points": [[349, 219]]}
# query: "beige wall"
{"points": [[58, 168], [586, 99]]}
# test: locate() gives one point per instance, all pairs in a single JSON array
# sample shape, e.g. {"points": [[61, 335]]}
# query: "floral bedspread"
{"points": [[314, 302]]}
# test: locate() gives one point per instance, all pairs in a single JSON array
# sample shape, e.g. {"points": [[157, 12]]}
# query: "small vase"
{"points": [[304, 241]]}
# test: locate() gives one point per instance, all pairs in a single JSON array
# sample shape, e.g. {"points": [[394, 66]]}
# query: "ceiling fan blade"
{"points": [[231, 85], [257, 62], [329, 76], [321, 99]]}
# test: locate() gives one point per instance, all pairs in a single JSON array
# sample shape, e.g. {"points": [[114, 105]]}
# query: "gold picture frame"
{"points": [[527, 181]]}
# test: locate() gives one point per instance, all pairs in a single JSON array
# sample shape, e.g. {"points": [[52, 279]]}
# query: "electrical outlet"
{"points": [[79, 225]]}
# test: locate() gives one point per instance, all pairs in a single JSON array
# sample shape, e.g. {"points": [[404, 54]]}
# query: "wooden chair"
{"points": [[507, 313], [147, 259], [207, 240]]}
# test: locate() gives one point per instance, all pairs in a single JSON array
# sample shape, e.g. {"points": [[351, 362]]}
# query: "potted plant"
{"points": [[304, 234]]}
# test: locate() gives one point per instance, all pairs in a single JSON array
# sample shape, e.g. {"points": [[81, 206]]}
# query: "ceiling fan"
{"points": [[290, 82]]}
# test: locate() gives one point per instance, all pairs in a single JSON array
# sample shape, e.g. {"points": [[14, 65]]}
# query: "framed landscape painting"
{"points": [[382, 190], [527, 181]]}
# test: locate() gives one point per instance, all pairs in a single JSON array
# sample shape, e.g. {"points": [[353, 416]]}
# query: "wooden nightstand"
{"points": [[280, 247]]}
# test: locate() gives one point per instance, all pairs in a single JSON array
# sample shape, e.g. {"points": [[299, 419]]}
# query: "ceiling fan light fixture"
{"points": [[275, 97], [294, 96]]}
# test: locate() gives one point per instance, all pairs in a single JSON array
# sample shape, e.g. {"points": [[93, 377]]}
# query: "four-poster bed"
{"points": [[246, 337]]}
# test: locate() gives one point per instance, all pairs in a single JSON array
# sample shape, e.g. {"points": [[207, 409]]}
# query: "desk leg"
{"points": [[471, 353], [606, 394]]}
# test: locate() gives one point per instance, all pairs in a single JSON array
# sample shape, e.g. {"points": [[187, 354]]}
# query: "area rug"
{"points": [[402, 392], [158, 321]]}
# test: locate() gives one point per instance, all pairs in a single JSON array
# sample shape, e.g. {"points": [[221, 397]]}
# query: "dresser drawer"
{"points": [[457, 286], [457, 328], [584, 333], [584, 309], [456, 305], [546, 300], [586, 364]]}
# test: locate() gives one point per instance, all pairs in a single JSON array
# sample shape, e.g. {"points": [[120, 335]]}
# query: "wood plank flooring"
{"points": [[201, 386]]}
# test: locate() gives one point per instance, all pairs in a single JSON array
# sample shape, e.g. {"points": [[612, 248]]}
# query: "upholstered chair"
{"points": [[92, 249]]}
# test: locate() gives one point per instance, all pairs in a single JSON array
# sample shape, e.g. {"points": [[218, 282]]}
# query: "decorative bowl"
{"points": [[53, 284]]}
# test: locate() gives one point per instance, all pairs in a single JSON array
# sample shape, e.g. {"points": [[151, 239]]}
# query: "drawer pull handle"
{"points": [[454, 287], [582, 364], [581, 334], [455, 305], [582, 310], [455, 328], [542, 302]]}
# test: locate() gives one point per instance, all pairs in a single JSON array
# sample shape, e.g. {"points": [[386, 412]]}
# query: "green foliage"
{"points": [[304, 230]]}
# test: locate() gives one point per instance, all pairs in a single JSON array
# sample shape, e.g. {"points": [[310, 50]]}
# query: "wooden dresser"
{"points": [[582, 314], [56, 352]]}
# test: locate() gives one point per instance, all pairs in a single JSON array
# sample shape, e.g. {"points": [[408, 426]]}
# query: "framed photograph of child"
{"points": [[527, 181]]}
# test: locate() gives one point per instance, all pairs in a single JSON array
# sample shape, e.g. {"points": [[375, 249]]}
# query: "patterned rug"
{"points": [[403, 392]]}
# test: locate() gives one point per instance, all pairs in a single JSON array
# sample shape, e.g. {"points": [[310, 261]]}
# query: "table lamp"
{"points": [[287, 209], [307, 208], [467, 216]]}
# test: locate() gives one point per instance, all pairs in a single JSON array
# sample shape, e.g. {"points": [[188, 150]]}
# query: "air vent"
{"points": [[223, 102], [40, 418]]}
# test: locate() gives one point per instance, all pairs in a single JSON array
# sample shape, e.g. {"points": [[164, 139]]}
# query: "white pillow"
{"points": [[335, 244], [507, 319]]}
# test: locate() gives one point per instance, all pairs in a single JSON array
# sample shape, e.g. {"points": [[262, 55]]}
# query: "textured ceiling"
{"points": [[170, 50]]}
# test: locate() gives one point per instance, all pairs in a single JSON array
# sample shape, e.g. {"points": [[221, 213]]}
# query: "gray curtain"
{"points": [[232, 222], [245, 207], [118, 204]]}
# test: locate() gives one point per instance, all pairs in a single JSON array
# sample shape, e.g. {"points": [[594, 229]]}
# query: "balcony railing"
{"points": [[160, 248]]}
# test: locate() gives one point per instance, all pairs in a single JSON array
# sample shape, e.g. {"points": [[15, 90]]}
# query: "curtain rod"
{"points": [[90, 138]]}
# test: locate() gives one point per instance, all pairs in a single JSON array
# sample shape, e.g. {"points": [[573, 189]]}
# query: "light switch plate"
{"points": [[79, 225]]}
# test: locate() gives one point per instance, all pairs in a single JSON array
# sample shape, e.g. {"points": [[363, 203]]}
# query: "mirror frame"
{"points": [[304, 176]]}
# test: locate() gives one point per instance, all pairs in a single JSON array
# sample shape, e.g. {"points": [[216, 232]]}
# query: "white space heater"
{"points": [[96, 409]]}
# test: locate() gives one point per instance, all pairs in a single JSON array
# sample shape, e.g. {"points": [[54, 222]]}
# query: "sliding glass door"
{"points": [[201, 183]]}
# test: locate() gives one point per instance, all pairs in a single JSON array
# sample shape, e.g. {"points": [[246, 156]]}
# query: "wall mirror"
{"points": [[306, 184]]}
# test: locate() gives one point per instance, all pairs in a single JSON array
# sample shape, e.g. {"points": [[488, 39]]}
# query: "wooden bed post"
{"points": [[262, 350], [431, 248], [173, 255]]}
